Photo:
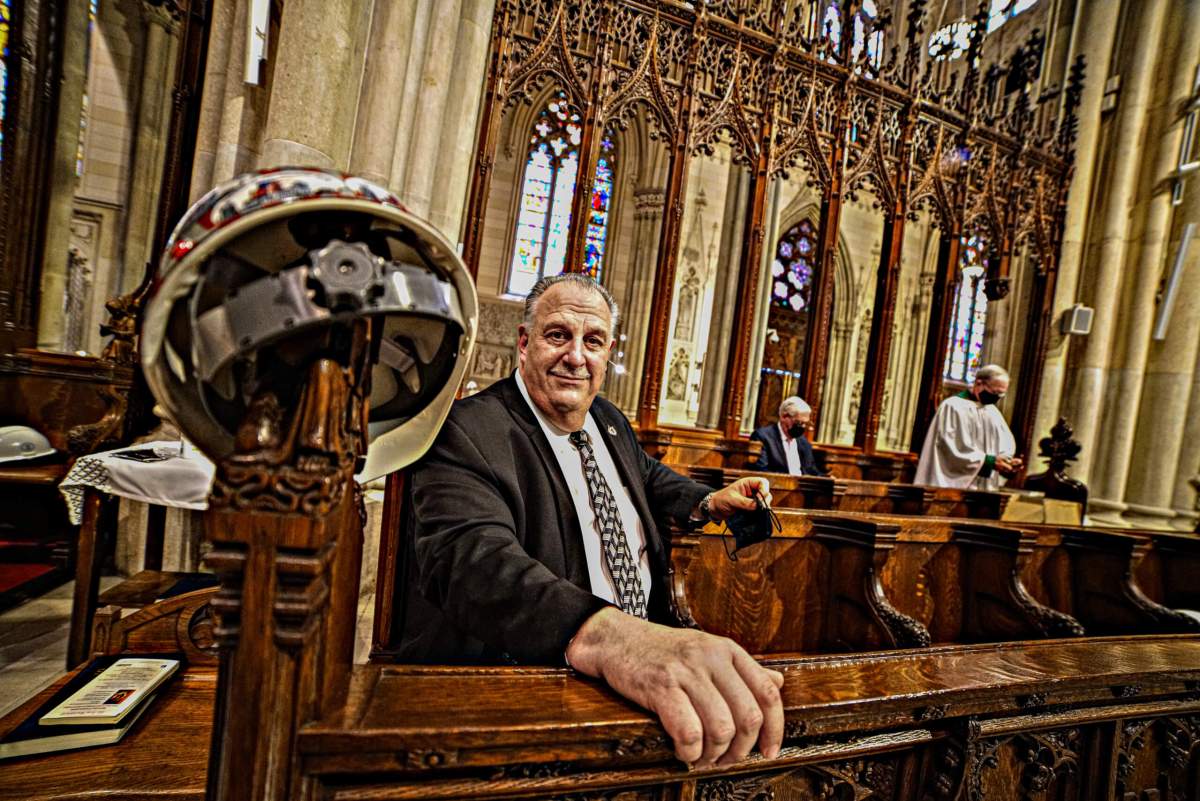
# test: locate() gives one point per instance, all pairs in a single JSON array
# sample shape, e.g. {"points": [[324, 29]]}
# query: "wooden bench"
{"points": [[1088, 720], [962, 580], [850, 495]]}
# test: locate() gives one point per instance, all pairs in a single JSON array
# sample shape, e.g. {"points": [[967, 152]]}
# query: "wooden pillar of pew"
{"points": [[285, 518]]}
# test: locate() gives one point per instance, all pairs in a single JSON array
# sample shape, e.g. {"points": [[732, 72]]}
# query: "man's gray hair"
{"points": [[794, 404], [579, 279], [990, 371]]}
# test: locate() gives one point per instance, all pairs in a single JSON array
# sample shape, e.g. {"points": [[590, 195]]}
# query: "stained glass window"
{"points": [[792, 270], [830, 25], [5, 23], [593, 249], [951, 41], [965, 352], [548, 186], [93, 8]]}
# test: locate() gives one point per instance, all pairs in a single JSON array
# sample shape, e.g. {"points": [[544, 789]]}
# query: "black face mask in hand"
{"points": [[751, 527], [797, 430], [989, 398]]}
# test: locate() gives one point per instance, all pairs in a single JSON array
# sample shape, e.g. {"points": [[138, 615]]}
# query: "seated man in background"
{"points": [[536, 540], [968, 444], [785, 449]]}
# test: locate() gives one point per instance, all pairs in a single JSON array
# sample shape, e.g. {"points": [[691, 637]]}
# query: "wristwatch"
{"points": [[705, 514]]}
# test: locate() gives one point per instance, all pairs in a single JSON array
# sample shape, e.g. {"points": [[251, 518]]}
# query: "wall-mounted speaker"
{"points": [[1077, 320]]}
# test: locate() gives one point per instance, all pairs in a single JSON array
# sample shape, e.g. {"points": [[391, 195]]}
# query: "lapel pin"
{"points": [[612, 432]]}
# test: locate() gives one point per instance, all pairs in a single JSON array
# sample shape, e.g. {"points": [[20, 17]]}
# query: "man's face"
{"points": [[791, 418], [996, 386], [564, 351]]}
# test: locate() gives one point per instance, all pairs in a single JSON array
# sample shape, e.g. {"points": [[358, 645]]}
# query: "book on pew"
{"points": [[96, 707]]}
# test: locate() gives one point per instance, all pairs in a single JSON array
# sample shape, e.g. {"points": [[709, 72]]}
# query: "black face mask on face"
{"points": [[989, 398], [797, 430]]}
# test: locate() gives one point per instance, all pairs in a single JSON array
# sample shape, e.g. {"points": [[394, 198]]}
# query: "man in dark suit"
{"points": [[536, 540], [785, 449]]}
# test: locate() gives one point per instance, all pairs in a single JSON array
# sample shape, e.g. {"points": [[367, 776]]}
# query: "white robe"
{"points": [[963, 434]]}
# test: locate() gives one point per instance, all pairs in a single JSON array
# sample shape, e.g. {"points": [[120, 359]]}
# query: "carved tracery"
{"points": [[973, 145]]}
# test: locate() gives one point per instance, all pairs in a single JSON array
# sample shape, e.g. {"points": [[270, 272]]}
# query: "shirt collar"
{"points": [[548, 427], [783, 433]]}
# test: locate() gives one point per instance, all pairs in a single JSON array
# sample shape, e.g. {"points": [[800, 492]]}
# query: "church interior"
{"points": [[859, 203]]}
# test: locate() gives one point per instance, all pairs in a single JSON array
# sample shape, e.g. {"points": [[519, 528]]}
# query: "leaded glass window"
{"points": [[952, 41], [547, 189], [593, 249], [93, 9], [792, 270], [860, 30], [965, 352], [5, 25]]}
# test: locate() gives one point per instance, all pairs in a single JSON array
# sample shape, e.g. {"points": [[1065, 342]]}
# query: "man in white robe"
{"points": [[969, 445]]}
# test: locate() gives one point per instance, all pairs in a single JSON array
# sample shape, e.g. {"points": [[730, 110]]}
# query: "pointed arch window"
{"points": [[792, 270], [830, 24], [5, 27], [968, 318], [547, 190]]}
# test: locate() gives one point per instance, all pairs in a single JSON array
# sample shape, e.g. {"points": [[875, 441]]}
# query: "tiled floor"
{"points": [[33, 643]]}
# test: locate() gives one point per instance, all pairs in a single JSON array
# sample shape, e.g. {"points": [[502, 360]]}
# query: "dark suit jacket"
{"points": [[774, 459], [495, 564]]}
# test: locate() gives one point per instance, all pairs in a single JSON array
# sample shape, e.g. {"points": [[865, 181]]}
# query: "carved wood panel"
{"points": [[972, 146]]}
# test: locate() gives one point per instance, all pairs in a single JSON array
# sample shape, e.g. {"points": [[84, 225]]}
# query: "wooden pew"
{"points": [[1169, 572], [849, 495], [816, 593], [959, 580], [1079, 720], [1092, 573]]}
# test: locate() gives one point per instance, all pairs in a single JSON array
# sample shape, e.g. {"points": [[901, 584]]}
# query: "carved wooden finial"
{"points": [[1059, 449]]}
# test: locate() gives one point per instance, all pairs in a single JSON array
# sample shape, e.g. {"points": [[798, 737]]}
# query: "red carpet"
{"points": [[14, 575]]}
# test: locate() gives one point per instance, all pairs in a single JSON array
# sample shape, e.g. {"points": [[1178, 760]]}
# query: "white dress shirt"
{"points": [[792, 451], [571, 466]]}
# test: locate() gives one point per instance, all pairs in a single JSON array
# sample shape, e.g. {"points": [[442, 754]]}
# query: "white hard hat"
{"points": [[22, 442], [265, 268]]}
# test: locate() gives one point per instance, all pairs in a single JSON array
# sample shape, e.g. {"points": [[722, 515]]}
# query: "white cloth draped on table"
{"points": [[178, 476]]}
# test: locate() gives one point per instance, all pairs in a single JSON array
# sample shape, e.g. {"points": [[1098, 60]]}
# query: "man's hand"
{"points": [[739, 496], [1008, 465], [713, 699]]}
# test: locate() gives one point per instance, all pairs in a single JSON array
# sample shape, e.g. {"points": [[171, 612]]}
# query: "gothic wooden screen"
{"points": [[869, 109]]}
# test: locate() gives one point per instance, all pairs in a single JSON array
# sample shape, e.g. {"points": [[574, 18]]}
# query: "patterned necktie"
{"points": [[621, 564]]}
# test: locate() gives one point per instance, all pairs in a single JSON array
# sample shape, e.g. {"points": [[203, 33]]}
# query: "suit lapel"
{"points": [[780, 451], [572, 538]]}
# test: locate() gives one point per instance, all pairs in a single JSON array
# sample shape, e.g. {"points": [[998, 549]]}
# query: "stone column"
{"points": [[648, 212], [1139, 77], [1166, 447], [419, 108], [239, 116], [829, 425], [411, 91], [438, 63], [1163, 399], [762, 309], [62, 181], [216, 68], [1183, 497], [149, 143], [456, 147], [720, 334], [386, 68], [314, 88]]}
